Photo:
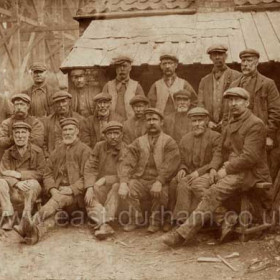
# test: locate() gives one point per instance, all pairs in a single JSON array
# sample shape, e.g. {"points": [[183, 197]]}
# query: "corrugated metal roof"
{"points": [[187, 36], [99, 6], [254, 2]]}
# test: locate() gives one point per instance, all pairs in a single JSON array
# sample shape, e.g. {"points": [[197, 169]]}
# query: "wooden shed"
{"points": [[144, 29]]}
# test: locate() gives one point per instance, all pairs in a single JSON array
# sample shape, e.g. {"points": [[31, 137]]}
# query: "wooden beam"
{"points": [[51, 53], [10, 55], [57, 27], [262, 7], [8, 34], [5, 12]]}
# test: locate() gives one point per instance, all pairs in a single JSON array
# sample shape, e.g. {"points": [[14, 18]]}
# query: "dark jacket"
{"points": [[266, 102], [132, 129], [74, 157], [246, 138], [209, 153], [206, 87], [95, 165], [31, 165], [91, 129], [6, 132]]}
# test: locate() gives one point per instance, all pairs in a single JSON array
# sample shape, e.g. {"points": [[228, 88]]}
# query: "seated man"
{"points": [[63, 180], [102, 179], [21, 168], [146, 171], [177, 124], [21, 103], [62, 109], [199, 151], [242, 149], [135, 126], [94, 125]]}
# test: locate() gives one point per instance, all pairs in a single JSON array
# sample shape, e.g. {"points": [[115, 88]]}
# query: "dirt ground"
{"points": [[73, 253]]}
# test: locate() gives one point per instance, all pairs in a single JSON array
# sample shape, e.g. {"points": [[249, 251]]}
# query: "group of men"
{"points": [[179, 154]]}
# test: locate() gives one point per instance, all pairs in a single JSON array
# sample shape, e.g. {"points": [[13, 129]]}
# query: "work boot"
{"points": [[129, 227], [227, 228], [153, 228], [167, 226], [104, 231], [173, 239], [8, 223], [19, 230], [30, 231]]}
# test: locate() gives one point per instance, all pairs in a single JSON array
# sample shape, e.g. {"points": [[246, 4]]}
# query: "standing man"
{"points": [[151, 162], [177, 124], [94, 125], [63, 180], [21, 169], [40, 92], [161, 94], [242, 150], [264, 95], [82, 94], [52, 128], [123, 88], [199, 152], [212, 86], [21, 103], [135, 126], [102, 179]]}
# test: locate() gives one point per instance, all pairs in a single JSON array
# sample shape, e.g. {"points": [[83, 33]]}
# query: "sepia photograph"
{"points": [[139, 139]]}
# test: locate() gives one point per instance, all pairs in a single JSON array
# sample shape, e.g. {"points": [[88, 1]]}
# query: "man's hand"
{"points": [[269, 143], [65, 190], [11, 173], [23, 186], [156, 189], [99, 183], [54, 191], [89, 195], [192, 176], [123, 190], [212, 176], [221, 174], [181, 174]]}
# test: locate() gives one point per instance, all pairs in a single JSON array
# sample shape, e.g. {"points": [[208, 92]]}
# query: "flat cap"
{"points": [[139, 98], [183, 94], [38, 66], [249, 53], [60, 95], [21, 96], [169, 56], [198, 111], [112, 125], [217, 48], [238, 92], [121, 59], [68, 121], [154, 111], [20, 124], [102, 96]]}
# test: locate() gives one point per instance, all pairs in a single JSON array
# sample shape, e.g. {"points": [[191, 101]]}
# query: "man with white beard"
{"points": [[177, 124], [63, 181]]}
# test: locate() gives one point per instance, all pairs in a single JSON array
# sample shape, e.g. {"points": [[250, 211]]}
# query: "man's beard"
{"points": [[182, 109], [20, 115], [69, 140]]}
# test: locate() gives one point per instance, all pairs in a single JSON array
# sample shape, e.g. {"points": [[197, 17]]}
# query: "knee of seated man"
{"points": [[63, 199], [34, 185], [4, 186]]}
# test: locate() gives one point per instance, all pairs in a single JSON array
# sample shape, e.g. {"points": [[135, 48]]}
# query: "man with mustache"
{"points": [[102, 179], [242, 151], [94, 125], [264, 95], [146, 171], [177, 124], [41, 91], [52, 130], [213, 85], [199, 151], [123, 88], [63, 181], [21, 170], [82, 94], [135, 126], [21, 104], [161, 94]]}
